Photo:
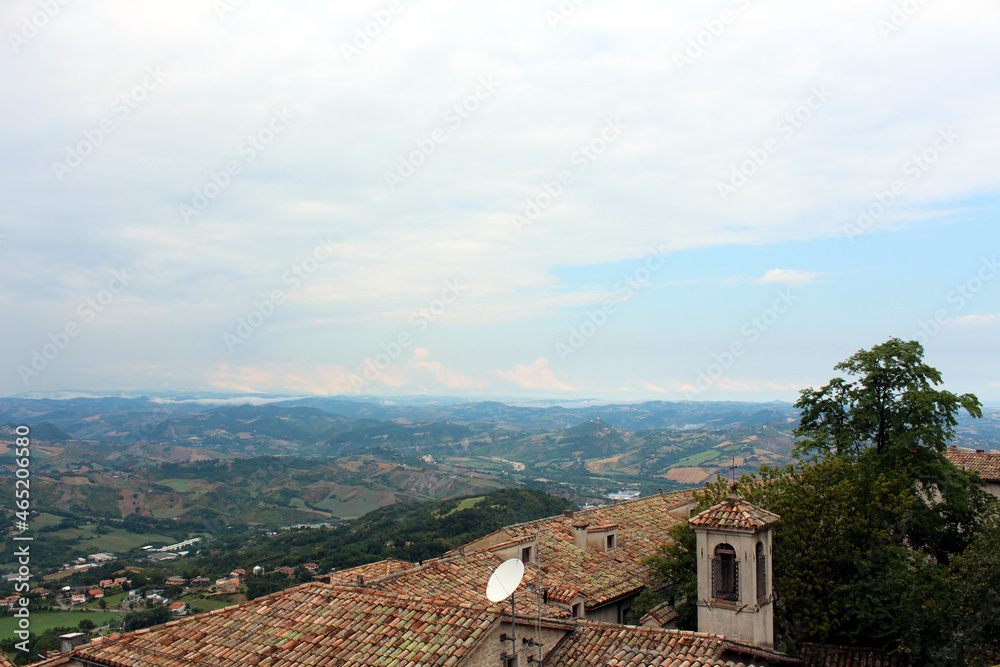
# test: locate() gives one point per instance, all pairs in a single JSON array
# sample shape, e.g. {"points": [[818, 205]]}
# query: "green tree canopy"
{"points": [[893, 411], [882, 541], [892, 406]]}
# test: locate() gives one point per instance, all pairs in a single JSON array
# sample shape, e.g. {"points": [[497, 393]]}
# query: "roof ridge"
{"points": [[619, 503], [640, 628], [590, 509]]}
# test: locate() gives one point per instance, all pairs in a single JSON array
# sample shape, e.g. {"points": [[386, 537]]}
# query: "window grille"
{"points": [[761, 572], [725, 574]]}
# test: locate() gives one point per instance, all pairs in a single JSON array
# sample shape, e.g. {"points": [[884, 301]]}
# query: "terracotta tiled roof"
{"points": [[312, 624], [382, 568], [734, 512], [643, 525], [459, 578], [562, 594], [602, 528], [600, 644], [661, 614], [827, 655], [987, 464]]}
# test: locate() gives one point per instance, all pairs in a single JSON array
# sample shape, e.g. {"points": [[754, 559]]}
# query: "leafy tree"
{"points": [[972, 610], [136, 620], [882, 542], [676, 565], [842, 525], [894, 412], [268, 583], [892, 407], [37, 645]]}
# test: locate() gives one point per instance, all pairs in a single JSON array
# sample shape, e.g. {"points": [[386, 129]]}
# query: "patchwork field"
{"points": [[44, 620], [86, 538]]}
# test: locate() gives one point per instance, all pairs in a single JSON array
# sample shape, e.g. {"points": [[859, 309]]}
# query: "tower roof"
{"points": [[735, 513]]}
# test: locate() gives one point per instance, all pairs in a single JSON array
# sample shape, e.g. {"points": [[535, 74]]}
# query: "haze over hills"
{"points": [[287, 460]]}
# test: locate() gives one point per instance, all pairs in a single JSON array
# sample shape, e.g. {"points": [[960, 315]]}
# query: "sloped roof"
{"points": [[382, 568], [599, 644], [987, 464], [563, 594], [312, 624], [643, 525], [661, 614], [736, 513], [463, 578]]}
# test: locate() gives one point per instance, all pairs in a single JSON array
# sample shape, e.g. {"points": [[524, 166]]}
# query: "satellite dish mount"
{"points": [[502, 584]]}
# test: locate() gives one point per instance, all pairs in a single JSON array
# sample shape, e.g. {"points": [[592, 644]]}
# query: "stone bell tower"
{"points": [[735, 589]]}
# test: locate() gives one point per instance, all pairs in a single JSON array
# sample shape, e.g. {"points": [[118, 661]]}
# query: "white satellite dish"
{"points": [[504, 580]]}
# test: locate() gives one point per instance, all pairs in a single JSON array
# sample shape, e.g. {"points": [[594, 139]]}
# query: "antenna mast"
{"points": [[502, 584], [538, 587]]}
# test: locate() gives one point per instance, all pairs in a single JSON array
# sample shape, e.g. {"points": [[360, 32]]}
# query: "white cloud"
{"points": [[445, 377], [534, 376], [974, 321], [788, 277], [684, 132]]}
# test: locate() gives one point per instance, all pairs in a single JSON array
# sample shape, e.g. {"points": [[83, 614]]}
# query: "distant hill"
{"points": [[409, 531], [296, 461]]}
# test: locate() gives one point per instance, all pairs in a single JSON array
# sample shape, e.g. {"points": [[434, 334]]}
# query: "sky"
{"points": [[577, 199]]}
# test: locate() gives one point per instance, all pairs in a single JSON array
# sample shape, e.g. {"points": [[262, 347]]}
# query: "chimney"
{"points": [[580, 535], [568, 514], [68, 642]]}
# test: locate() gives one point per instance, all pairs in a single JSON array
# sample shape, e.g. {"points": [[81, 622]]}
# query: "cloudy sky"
{"points": [[624, 200]]}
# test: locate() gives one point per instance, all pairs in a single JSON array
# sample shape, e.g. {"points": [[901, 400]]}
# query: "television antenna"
{"points": [[502, 584]]}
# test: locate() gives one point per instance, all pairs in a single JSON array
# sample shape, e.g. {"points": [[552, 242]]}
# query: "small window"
{"points": [[611, 542], [526, 555], [725, 574], [510, 662], [761, 572], [577, 610]]}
